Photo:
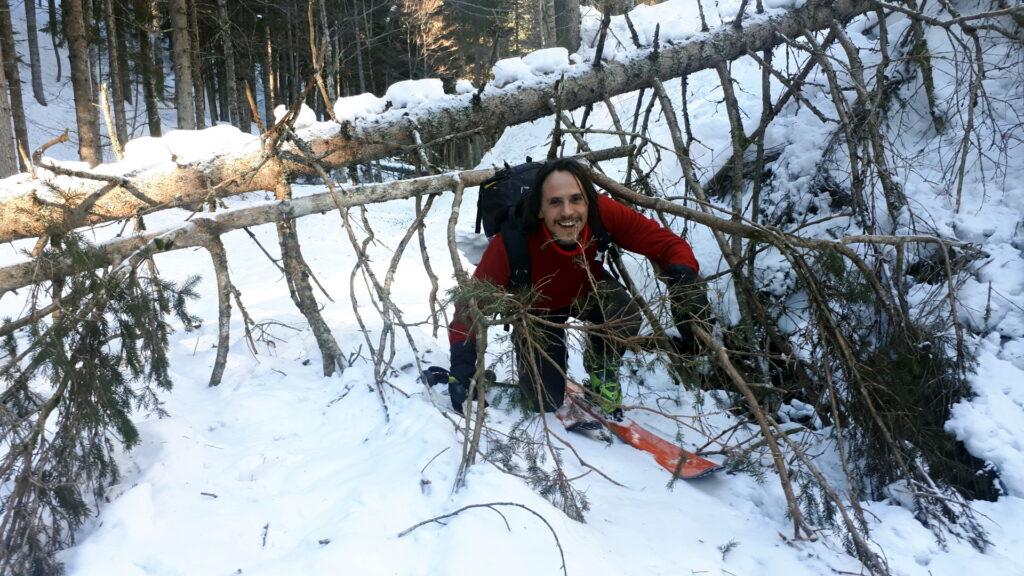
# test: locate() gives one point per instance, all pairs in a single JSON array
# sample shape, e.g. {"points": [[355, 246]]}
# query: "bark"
{"points": [[230, 77], [32, 30], [197, 65], [117, 87], [86, 115], [8, 159], [567, 24], [13, 82], [183, 101], [237, 172], [143, 21]]}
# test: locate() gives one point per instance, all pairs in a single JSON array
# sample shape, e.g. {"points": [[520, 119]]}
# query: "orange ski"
{"points": [[679, 462]]}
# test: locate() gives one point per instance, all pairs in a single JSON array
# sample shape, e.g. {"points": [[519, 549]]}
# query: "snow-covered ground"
{"points": [[282, 471]]}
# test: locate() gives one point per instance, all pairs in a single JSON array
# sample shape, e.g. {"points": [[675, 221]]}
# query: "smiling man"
{"points": [[561, 226]]}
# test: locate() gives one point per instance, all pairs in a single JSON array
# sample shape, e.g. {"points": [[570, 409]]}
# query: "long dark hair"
{"points": [[531, 203]]}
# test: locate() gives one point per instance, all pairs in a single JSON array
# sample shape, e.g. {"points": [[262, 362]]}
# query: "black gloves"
{"points": [[463, 361], [689, 305]]}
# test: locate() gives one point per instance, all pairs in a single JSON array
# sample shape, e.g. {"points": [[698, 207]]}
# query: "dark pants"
{"points": [[611, 313]]}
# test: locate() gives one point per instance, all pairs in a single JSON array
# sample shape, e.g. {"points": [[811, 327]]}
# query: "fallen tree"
{"points": [[34, 206]]}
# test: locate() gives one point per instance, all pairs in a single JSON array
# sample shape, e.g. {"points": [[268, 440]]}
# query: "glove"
{"points": [[689, 305], [463, 365]]}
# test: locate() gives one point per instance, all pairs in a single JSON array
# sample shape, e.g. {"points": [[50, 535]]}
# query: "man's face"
{"points": [[563, 206]]}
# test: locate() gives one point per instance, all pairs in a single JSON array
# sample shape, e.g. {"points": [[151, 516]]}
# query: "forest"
{"points": [[235, 234]]}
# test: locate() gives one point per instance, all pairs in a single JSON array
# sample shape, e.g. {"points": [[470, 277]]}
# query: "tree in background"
{"points": [[88, 121], [8, 159]]}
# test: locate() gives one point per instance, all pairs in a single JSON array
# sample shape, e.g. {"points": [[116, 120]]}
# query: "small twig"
{"points": [[493, 506], [434, 458]]}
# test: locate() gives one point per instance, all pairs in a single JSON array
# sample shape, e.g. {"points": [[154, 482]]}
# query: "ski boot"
{"points": [[605, 392]]}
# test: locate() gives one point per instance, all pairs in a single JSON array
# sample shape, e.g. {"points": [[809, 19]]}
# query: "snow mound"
{"points": [[305, 119], [414, 93], [464, 86], [188, 146], [349, 108], [509, 71], [989, 424], [547, 61]]}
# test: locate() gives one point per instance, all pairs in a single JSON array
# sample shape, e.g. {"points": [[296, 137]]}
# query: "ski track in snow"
{"points": [[298, 481]]}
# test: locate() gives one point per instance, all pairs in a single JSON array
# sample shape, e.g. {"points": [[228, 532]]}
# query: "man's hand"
{"points": [[463, 359], [689, 305]]}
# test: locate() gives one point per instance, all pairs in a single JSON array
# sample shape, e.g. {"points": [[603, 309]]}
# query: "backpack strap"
{"points": [[514, 237]]}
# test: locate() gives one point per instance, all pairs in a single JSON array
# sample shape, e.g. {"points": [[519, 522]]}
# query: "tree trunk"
{"points": [[269, 87], [143, 21], [567, 24], [122, 12], [117, 88], [183, 101], [89, 19], [51, 27], [548, 23], [13, 82], [197, 65], [85, 107], [8, 159], [222, 92], [242, 103], [157, 42], [328, 56], [230, 76], [211, 90], [32, 29], [359, 63]]}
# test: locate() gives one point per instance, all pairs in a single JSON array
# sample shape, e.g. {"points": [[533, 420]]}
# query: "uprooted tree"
{"points": [[882, 366]]}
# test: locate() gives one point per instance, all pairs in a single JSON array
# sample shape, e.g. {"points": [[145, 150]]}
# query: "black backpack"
{"points": [[498, 209]]}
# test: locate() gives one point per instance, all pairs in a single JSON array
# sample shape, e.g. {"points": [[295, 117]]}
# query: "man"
{"points": [[560, 218]]}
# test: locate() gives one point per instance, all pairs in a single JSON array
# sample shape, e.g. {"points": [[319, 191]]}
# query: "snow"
{"points": [[305, 118], [510, 70], [414, 93], [463, 86], [280, 470], [990, 423], [347, 109], [547, 61]]}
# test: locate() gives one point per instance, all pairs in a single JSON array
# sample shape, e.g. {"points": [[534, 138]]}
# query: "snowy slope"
{"points": [[282, 471]]}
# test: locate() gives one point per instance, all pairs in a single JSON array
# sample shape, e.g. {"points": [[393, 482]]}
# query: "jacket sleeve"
{"points": [[493, 268], [639, 234]]}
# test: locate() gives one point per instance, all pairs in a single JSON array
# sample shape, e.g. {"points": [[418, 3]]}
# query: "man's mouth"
{"points": [[568, 225]]}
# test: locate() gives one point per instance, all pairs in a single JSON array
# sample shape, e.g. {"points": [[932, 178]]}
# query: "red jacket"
{"points": [[559, 275]]}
